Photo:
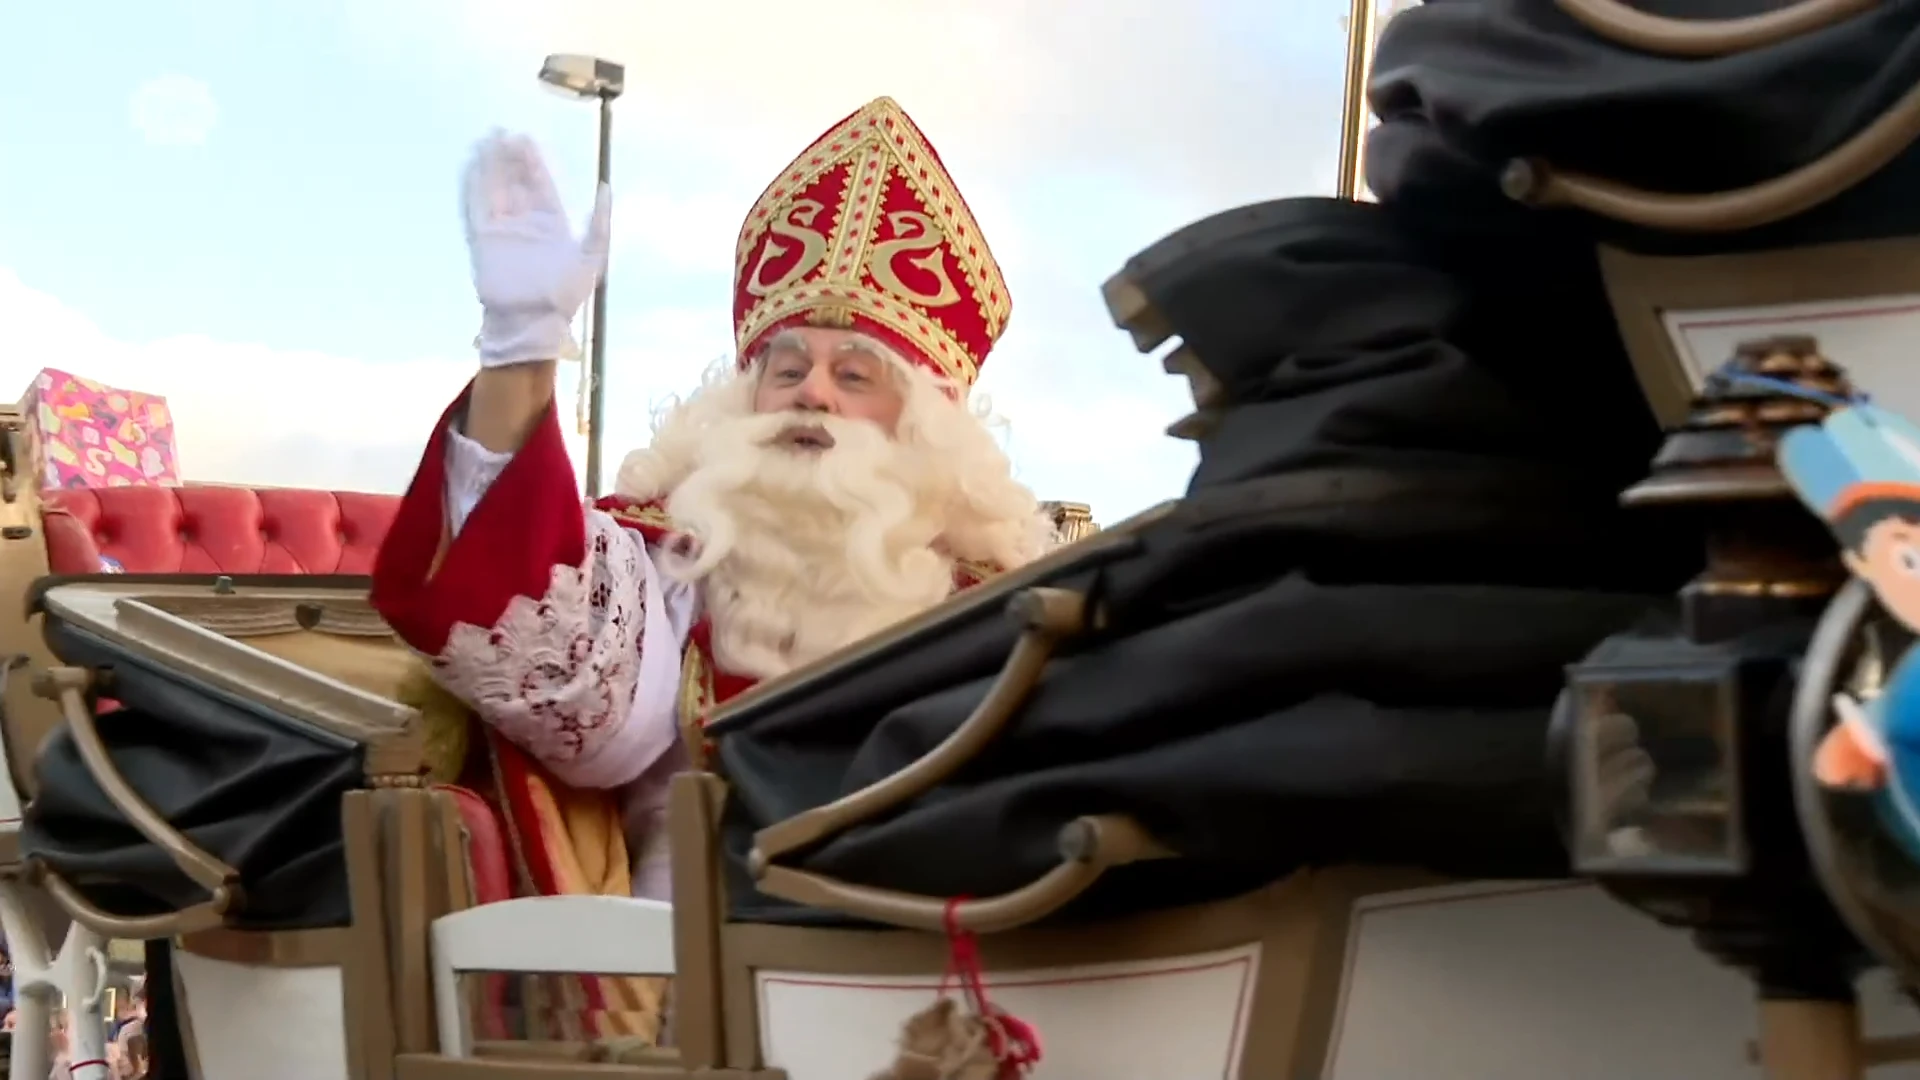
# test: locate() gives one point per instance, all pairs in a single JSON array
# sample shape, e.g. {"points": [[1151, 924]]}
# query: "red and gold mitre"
{"points": [[866, 231]]}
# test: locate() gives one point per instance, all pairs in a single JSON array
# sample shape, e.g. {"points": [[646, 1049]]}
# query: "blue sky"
{"points": [[251, 207]]}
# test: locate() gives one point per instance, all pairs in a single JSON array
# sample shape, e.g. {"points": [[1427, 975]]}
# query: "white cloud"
{"points": [[254, 414], [1207, 101], [693, 232], [245, 413], [173, 110], [1080, 132]]}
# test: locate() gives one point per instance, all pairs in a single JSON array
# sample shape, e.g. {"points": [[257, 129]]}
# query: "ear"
{"points": [[1855, 563]]}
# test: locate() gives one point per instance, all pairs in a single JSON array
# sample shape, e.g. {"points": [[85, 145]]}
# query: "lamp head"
{"points": [[584, 76]]}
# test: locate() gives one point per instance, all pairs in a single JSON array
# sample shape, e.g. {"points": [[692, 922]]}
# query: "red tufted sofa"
{"points": [[214, 529], [209, 529]]}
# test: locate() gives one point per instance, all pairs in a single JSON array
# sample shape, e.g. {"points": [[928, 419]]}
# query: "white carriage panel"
{"points": [[1871, 336], [1523, 981], [1181, 1017], [255, 1022]]}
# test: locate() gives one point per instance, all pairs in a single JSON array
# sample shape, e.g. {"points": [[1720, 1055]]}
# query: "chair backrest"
{"points": [[589, 935]]}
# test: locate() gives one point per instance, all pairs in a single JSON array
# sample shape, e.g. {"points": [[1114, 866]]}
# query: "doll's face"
{"points": [[1889, 560]]}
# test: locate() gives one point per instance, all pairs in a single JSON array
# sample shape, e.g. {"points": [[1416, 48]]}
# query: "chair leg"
{"points": [[41, 977], [33, 988], [32, 1054], [80, 970]]}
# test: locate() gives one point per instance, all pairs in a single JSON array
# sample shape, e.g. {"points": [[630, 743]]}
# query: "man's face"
{"points": [[1889, 560], [822, 370]]}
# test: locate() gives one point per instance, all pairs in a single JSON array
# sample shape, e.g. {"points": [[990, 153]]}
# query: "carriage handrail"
{"points": [[1538, 183], [1089, 847], [69, 686], [1050, 616], [1626, 25], [209, 914]]}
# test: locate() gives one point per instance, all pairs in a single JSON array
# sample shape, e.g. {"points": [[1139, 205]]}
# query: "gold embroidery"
{"points": [[696, 703], [978, 571], [827, 302], [916, 234], [795, 224], [647, 515], [873, 143], [858, 218]]}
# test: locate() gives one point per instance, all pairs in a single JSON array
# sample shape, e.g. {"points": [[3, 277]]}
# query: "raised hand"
{"points": [[530, 273]]}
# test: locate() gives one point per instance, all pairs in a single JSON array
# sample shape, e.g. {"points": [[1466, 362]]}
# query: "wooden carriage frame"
{"points": [[411, 882], [406, 851]]}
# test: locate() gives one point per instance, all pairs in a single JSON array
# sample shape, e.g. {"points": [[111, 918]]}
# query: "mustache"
{"points": [[760, 428], [867, 489]]}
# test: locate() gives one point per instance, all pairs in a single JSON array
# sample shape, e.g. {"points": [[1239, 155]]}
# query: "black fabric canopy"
{"points": [[257, 789], [1343, 643], [1463, 86]]}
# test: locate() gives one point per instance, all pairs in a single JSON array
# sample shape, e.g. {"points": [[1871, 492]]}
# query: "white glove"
{"points": [[531, 275]]}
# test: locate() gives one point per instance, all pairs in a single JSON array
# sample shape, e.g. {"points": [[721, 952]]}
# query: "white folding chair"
{"points": [[570, 935]]}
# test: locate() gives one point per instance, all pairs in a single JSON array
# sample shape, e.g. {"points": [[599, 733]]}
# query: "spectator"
{"points": [[58, 1045], [127, 1008], [127, 1054]]}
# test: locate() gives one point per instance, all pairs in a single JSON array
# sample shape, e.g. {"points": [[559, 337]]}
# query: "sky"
{"points": [[252, 208]]}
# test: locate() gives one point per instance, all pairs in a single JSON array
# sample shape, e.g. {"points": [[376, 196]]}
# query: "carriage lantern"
{"points": [[1071, 521], [1675, 735]]}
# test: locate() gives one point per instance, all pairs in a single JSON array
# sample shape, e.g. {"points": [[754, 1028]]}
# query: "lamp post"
{"points": [[591, 77], [1353, 106], [1363, 22]]}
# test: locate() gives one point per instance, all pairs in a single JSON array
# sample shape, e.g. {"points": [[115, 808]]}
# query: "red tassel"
{"points": [[1014, 1042]]}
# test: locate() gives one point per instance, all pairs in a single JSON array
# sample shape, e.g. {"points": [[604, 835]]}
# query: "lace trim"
{"points": [[556, 675]]}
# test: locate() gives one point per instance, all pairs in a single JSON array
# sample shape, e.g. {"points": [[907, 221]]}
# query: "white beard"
{"points": [[801, 553]]}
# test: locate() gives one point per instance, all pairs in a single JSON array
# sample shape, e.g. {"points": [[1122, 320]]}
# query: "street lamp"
{"points": [[591, 77]]}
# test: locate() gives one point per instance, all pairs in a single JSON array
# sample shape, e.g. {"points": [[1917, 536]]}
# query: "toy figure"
{"points": [[1860, 471]]}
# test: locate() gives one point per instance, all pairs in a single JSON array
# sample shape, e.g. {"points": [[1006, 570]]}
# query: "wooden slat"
{"points": [[410, 903], [693, 809], [285, 948], [369, 1008]]}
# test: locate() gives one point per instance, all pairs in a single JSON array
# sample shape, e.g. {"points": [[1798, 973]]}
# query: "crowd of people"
{"points": [[126, 1029]]}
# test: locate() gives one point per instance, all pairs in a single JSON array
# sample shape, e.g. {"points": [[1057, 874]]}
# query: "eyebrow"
{"points": [[789, 340], [857, 348]]}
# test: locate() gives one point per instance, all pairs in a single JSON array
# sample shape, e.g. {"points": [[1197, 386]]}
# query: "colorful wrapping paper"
{"points": [[84, 433]]}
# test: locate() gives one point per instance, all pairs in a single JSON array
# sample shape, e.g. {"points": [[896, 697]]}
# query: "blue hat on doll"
{"points": [[1859, 453]]}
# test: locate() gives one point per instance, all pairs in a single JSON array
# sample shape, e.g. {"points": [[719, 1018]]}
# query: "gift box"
{"points": [[82, 433]]}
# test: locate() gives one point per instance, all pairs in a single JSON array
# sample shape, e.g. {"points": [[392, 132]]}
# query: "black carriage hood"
{"points": [[1341, 645], [1464, 86], [252, 786]]}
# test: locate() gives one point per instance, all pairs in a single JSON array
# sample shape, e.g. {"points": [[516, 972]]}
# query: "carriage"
{"points": [[1314, 772]]}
